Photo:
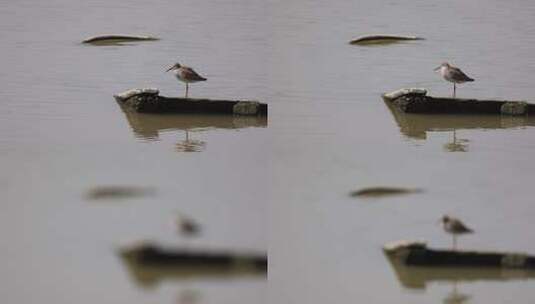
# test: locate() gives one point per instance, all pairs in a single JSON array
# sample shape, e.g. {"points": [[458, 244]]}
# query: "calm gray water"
{"points": [[280, 185]]}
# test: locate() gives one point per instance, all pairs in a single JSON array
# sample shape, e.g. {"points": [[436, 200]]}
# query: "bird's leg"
{"points": [[454, 89], [187, 87]]}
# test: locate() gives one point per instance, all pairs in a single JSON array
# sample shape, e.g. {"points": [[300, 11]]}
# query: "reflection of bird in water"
{"points": [[190, 145], [454, 297], [458, 145], [452, 74], [186, 75], [454, 227], [188, 297]]}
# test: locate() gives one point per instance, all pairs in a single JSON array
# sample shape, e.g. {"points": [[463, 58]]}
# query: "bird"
{"points": [[455, 227], [185, 74], [452, 74], [186, 226]]}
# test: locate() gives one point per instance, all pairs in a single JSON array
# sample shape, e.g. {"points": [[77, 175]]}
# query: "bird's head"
{"points": [[174, 67], [443, 64], [444, 219]]}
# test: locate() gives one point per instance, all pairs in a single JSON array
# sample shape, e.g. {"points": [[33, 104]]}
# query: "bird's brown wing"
{"points": [[459, 227], [190, 74], [460, 75]]}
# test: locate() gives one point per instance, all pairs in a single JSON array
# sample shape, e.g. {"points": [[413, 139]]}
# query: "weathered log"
{"points": [[417, 254], [118, 39], [416, 125], [417, 101], [383, 39], [153, 254], [149, 101], [417, 275], [150, 263]]}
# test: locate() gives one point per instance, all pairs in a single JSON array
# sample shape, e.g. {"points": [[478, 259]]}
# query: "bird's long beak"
{"points": [[169, 69], [437, 68]]}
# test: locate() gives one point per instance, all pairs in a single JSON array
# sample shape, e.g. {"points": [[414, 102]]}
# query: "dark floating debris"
{"points": [[416, 100], [118, 192], [417, 254], [149, 263], [383, 39], [148, 100], [117, 39], [383, 191]]}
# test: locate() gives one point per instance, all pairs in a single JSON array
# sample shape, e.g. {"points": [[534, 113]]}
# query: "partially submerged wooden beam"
{"points": [[412, 274], [416, 125], [416, 100], [382, 39], [149, 101], [118, 38], [417, 254], [417, 276], [150, 263], [153, 254]]}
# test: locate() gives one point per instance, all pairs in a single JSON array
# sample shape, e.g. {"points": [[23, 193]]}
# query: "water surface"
{"points": [[281, 185]]}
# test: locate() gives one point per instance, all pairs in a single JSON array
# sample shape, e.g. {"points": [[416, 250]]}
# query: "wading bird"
{"points": [[186, 75], [454, 227], [452, 74]]}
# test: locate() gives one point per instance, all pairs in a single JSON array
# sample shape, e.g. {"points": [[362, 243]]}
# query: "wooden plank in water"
{"points": [[153, 254], [149, 101], [417, 254], [417, 101]]}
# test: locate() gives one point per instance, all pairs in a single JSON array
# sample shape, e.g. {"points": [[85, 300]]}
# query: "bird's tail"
{"points": [[470, 79]]}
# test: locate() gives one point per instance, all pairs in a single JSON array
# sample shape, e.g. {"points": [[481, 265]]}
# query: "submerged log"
{"points": [[416, 100], [149, 101], [417, 126], [150, 263], [417, 254], [118, 39], [383, 39], [153, 254], [418, 277]]}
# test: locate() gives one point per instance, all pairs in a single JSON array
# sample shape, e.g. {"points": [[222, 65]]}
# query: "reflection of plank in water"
{"points": [[149, 126], [416, 276], [416, 125], [149, 264]]}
